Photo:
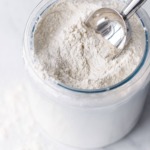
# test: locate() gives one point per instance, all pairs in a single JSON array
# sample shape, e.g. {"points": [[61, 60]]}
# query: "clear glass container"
{"points": [[86, 118]]}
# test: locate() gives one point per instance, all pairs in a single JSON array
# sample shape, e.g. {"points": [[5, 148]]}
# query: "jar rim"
{"points": [[86, 91]]}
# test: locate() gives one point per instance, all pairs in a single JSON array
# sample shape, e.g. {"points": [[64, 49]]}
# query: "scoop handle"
{"points": [[131, 8]]}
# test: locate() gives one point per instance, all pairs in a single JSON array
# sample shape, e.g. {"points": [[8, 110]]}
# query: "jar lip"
{"points": [[85, 91]]}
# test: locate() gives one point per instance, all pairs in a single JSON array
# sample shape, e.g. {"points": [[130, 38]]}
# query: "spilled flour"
{"points": [[69, 52], [18, 128]]}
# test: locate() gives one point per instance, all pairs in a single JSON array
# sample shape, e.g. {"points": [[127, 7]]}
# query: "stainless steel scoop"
{"points": [[113, 25]]}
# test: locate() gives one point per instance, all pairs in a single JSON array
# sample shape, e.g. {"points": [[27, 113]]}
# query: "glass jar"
{"points": [[86, 118]]}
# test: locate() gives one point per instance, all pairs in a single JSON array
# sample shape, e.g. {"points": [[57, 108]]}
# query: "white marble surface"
{"points": [[18, 131]]}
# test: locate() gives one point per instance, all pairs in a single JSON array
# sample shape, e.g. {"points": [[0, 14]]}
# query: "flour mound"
{"points": [[71, 53]]}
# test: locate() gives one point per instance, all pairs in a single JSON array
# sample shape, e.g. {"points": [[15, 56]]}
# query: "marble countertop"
{"points": [[18, 131]]}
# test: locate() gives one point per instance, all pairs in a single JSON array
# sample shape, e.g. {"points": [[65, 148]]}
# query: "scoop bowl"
{"points": [[113, 25]]}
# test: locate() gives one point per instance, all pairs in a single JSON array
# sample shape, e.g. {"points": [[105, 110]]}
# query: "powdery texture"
{"points": [[18, 128], [69, 52]]}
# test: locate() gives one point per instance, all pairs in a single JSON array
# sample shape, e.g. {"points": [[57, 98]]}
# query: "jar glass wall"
{"points": [[83, 118]]}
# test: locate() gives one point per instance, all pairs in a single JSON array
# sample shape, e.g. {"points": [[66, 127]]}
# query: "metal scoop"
{"points": [[113, 25]]}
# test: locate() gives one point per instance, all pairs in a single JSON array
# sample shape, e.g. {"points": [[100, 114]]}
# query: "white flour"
{"points": [[70, 53], [18, 128]]}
